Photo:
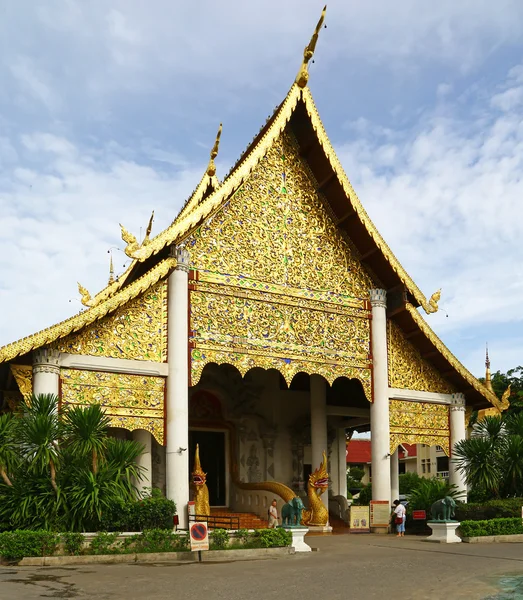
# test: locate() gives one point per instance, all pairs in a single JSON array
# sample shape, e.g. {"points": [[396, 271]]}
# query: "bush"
{"points": [[492, 509], [219, 539], [73, 543], [271, 538], [409, 482], [427, 492], [491, 527], [152, 512], [365, 496], [158, 540], [14, 545], [104, 543]]}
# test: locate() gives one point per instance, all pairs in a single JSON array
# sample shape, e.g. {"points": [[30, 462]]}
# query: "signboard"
{"points": [[419, 515], [359, 519], [191, 509], [379, 513], [199, 536]]}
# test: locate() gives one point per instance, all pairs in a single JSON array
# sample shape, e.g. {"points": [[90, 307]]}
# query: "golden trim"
{"points": [[75, 323], [23, 375], [447, 354]]}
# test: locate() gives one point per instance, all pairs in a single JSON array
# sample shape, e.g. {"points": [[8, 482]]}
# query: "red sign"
{"points": [[199, 536], [419, 515]]}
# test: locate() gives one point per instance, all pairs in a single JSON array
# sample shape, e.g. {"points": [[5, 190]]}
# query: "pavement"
{"points": [[344, 567]]}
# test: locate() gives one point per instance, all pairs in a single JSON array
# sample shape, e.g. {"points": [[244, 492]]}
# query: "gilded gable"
{"points": [[137, 330], [407, 368], [276, 229]]}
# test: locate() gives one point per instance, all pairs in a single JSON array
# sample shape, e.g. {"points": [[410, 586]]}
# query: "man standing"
{"points": [[273, 515]]}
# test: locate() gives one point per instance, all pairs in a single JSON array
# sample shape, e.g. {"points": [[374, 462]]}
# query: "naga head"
{"points": [[198, 476], [320, 478]]}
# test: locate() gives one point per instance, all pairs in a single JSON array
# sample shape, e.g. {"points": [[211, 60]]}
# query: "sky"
{"points": [[108, 110]]}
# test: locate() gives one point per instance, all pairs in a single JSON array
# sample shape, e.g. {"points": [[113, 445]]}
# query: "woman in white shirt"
{"points": [[400, 513]]}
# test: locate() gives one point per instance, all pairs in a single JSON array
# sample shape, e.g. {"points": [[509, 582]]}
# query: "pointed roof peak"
{"points": [[303, 74], [211, 167], [488, 379], [111, 270]]}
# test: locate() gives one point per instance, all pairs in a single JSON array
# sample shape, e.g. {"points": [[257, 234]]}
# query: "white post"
{"points": [[145, 460], [394, 476], [177, 455], [458, 432], [342, 463], [318, 423], [379, 409], [46, 371]]}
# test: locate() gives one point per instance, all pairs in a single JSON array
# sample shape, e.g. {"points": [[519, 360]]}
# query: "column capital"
{"points": [[378, 298], [46, 360], [457, 402], [182, 258]]}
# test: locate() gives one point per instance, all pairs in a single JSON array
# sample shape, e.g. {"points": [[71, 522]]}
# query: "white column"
{"points": [[318, 423], [177, 455], [46, 371], [379, 409], [394, 476], [342, 463], [145, 460], [457, 433]]}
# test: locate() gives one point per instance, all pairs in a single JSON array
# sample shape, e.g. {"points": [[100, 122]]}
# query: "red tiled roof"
{"points": [[411, 450], [358, 451]]}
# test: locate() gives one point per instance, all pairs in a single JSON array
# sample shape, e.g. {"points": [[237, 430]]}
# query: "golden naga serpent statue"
{"points": [[201, 492], [316, 486]]}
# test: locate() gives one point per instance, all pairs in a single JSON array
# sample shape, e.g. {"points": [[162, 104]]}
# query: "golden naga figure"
{"points": [[433, 302], [201, 493], [317, 485], [303, 74], [86, 296], [211, 167], [278, 489], [132, 249]]}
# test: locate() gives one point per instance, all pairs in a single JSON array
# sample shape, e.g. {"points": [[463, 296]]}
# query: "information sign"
{"points": [[379, 513], [419, 515], [359, 519], [199, 536]]}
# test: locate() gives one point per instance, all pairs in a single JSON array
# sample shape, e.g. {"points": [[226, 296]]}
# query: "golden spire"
{"points": [[303, 74], [488, 380], [111, 270], [146, 239], [211, 168], [197, 465]]}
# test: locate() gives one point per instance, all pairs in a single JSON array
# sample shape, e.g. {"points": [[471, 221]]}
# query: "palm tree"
{"points": [[8, 455], [85, 428]]}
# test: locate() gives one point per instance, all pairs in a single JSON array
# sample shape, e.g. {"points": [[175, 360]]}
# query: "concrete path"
{"points": [[349, 566]]}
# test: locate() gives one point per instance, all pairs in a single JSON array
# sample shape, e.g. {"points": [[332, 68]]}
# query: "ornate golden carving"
{"points": [[453, 361], [131, 401], [433, 302], [408, 370], [86, 296], [201, 492], [23, 375], [317, 485], [303, 74], [136, 330], [95, 313], [211, 167], [419, 423]]}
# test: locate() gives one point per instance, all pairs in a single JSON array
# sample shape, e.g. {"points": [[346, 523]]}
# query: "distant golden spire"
{"points": [[111, 270], [303, 74], [211, 168], [488, 380]]}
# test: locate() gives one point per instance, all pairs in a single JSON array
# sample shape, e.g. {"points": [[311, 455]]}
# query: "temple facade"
{"points": [[266, 321]]}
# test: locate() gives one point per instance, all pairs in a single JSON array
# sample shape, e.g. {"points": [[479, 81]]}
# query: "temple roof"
{"points": [[297, 112]]}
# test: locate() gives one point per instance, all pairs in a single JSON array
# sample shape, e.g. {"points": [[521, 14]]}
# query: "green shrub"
{"points": [[14, 545], [409, 482], [158, 540], [154, 512], [365, 496], [271, 538], [73, 543], [492, 509], [105, 543], [427, 492], [491, 527], [219, 539]]}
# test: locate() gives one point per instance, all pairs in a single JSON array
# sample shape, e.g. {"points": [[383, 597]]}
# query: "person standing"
{"points": [[273, 515], [400, 514]]}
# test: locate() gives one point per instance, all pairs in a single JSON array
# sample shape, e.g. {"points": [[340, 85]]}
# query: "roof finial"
{"points": [[111, 270], [147, 237], [211, 168], [488, 380], [303, 74]]}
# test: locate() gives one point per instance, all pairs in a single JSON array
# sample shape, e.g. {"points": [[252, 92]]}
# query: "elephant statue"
{"points": [[443, 510], [291, 512]]}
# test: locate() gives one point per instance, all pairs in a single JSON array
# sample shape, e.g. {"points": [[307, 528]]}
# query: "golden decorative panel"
{"points": [[408, 370], [276, 229], [136, 330], [131, 401], [23, 375], [419, 423]]}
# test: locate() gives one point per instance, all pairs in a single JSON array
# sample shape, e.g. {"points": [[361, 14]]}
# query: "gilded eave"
{"points": [[449, 357], [75, 323]]}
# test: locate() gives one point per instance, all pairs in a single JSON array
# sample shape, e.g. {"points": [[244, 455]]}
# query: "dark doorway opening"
{"points": [[212, 459]]}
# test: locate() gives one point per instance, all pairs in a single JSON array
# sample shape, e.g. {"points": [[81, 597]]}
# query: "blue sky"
{"points": [[108, 110]]}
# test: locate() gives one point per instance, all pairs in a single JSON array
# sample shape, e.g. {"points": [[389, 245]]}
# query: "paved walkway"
{"points": [[350, 566]]}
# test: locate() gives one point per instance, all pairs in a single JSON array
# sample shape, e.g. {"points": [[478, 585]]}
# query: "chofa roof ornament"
{"points": [[303, 74]]}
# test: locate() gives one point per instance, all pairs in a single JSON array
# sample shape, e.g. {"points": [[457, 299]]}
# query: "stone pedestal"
{"points": [[298, 541], [443, 532], [320, 528]]}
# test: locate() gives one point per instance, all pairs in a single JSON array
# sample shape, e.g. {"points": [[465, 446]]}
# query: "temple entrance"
{"points": [[212, 458]]}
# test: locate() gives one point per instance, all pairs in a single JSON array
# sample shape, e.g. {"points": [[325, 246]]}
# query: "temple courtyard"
{"points": [[346, 566]]}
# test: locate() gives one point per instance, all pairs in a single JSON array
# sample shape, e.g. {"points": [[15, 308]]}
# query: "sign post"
{"points": [[379, 513], [359, 519], [199, 537]]}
